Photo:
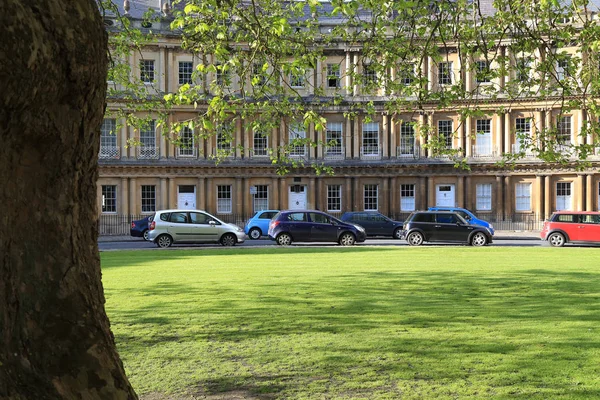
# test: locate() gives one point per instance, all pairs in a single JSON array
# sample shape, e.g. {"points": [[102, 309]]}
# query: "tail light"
{"points": [[132, 225], [152, 225], [273, 224]]}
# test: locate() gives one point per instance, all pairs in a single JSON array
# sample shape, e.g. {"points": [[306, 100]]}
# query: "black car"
{"points": [[139, 228], [375, 223], [443, 226], [313, 226]]}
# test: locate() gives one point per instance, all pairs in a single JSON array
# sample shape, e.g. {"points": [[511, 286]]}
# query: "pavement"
{"points": [[498, 235]]}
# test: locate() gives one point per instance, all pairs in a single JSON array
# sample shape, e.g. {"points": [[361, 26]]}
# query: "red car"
{"points": [[572, 226]]}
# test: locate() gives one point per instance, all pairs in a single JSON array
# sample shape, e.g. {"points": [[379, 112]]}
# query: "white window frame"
{"points": [[483, 196], [335, 132], [188, 143], [224, 200], [370, 138], [446, 129], [407, 138], [108, 138], [369, 74], [371, 197], [186, 71], [148, 143], [483, 138], [482, 71], [297, 81], [109, 199], [334, 198], [147, 70], [445, 73], [564, 129], [260, 199], [522, 131], [260, 144], [523, 197], [297, 131], [148, 198], [224, 137], [407, 197], [564, 196], [334, 75]]}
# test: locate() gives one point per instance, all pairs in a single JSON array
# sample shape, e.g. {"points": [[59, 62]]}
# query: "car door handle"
{"points": [[438, 226]]}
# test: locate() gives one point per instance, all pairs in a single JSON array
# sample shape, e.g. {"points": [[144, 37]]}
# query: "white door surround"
{"points": [[297, 197], [445, 195], [186, 197]]}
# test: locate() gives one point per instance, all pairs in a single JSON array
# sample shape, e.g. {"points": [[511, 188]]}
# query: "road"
{"points": [[142, 245]]}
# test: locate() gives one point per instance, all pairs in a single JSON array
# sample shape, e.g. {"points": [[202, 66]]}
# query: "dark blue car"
{"points": [[139, 228], [313, 226]]}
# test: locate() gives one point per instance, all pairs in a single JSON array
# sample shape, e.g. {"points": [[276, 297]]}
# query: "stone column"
{"points": [[385, 196], [238, 138], [460, 188], [311, 136], [428, 66], [394, 196], [124, 197], [238, 194], [576, 138], [347, 199], [498, 138], [507, 134], [283, 194], [508, 202], [580, 192], [384, 136], [164, 191], [348, 138], [357, 136], [354, 64], [547, 197], [312, 194], [499, 197], [172, 197], [201, 194], [589, 195], [468, 200], [124, 151], [133, 201], [320, 137], [538, 206], [468, 139], [274, 201], [420, 139], [211, 196], [431, 200], [393, 140], [348, 73], [356, 198]]}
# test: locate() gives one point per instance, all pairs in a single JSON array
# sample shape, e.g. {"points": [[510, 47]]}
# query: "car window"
{"points": [[464, 215], [267, 215], [424, 218], [165, 216], [566, 218], [296, 217], [319, 218], [179, 217], [199, 218], [380, 218], [591, 219], [447, 218]]}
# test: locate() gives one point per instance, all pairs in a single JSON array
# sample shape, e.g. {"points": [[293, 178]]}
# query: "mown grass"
{"points": [[360, 322]]}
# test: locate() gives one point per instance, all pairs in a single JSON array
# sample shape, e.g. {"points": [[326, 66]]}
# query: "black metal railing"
{"points": [[116, 224]]}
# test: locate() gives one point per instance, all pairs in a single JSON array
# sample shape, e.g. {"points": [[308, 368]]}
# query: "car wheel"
{"points": [[347, 239], [145, 234], [228, 239], [397, 233], [415, 239], [255, 233], [556, 240], [284, 239], [164, 241], [478, 239]]}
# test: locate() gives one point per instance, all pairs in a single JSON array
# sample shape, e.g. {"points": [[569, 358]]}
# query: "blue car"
{"points": [[466, 214], [258, 225], [139, 228], [313, 226]]}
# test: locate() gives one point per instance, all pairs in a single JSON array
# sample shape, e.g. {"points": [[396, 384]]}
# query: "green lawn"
{"points": [[360, 322]]}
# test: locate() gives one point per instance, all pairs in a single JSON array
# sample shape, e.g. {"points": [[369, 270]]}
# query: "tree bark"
{"points": [[55, 339]]}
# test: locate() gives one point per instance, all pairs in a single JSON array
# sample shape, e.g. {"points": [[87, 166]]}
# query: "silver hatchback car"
{"points": [[192, 226]]}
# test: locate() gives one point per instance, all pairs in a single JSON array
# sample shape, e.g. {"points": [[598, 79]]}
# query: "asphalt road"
{"points": [[142, 245]]}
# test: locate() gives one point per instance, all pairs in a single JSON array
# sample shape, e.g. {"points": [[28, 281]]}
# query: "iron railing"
{"points": [[116, 224]]}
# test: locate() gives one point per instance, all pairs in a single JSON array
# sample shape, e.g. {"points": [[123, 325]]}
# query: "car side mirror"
{"points": [[211, 222]]}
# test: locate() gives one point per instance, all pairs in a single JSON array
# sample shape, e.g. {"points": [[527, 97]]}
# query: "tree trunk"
{"points": [[55, 339]]}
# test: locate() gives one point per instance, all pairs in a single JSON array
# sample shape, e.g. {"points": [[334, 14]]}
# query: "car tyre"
{"points": [[255, 233], [145, 235], [397, 233], [415, 238], [228, 240], [284, 239], [478, 239], [164, 241], [347, 239], [556, 239]]}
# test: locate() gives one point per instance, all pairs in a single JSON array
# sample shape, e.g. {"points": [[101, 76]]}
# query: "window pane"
{"points": [[148, 198], [334, 198], [224, 199], [407, 197], [109, 198], [371, 197], [484, 197]]}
